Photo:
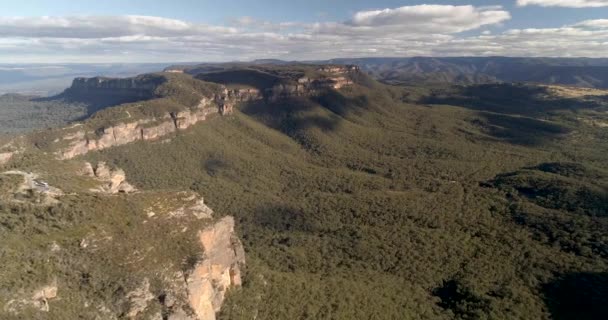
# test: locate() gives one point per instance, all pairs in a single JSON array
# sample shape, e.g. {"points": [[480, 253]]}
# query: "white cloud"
{"points": [[593, 24], [565, 3], [432, 18], [413, 22], [83, 27], [430, 30]]}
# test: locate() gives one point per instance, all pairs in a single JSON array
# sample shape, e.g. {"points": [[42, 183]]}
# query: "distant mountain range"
{"points": [[582, 72], [49, 79]]}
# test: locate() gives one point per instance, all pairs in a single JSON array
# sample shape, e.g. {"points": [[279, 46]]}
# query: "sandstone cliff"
{"points": [[198, 294], [102, 91], [307, 86], [81, 142], [219, 271], [222, 100]]}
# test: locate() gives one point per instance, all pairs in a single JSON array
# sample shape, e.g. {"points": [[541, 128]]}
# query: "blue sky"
{"points": [[222, 11], [239, 30]]}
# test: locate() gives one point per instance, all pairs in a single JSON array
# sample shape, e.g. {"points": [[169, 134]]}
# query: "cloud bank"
{"points": [[431, 30], [565, 3]]}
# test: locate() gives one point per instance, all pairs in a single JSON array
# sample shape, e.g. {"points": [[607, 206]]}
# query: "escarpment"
{"points": [[102, 91], [279, 83], [81, 142], [219, 271], [228, 90]]}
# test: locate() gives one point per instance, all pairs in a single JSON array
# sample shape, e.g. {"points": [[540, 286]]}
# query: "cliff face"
{"points": [[81, 142], [308, 86], [221, 101], [198, 294], [101, 89], [219, 271]]}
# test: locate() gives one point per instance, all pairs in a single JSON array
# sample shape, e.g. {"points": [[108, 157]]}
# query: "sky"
{"points": [[62, 31]]}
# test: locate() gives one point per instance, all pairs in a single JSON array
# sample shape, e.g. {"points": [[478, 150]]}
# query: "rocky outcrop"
{"points": [[81, 142], [306, 87], [219, 271], [334, 77], [5, 157], [228, 98], [222, 101], [190, 204], [198, 294], [31, 190], [113, 180], [39, 299], [339, 69], [139, 299], [115, 89]]}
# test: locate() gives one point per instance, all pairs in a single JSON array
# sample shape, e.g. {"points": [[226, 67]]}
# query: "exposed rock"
{"points": [[228, 98], [54, 247], [338, 78], [146, 129], [199, 209], [162, 129], [219, 271], [112, 91], [34, 190], [87, 170], [222, 101], [139, 299], [5, 157], [39, 299], [114, 180], [339, 69]]}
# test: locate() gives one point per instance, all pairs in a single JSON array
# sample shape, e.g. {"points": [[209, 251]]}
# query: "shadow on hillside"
{"points": [[580, 296], [294, 115], [291, 115], [252, 78], [508, 99], [337, 103], [93, 102], [520, 130], [460, 300], [281, 218]]}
